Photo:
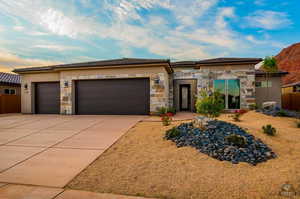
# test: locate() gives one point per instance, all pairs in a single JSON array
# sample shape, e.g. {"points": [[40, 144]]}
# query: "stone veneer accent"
{"points": [[158, 94], [205, 79]]}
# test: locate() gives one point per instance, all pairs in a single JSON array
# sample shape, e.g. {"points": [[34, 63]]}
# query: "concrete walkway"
{"points": [[180, 116], [9, 191], [50, 150]]}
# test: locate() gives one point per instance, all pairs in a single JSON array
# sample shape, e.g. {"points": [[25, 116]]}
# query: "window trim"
{"points": [[11, 91]]}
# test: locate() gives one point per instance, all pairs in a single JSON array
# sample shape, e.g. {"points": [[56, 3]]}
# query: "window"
{"points": [[9, 91], [6, 91], [263, 84], [230, 91], [258, 84], [296, 88]]}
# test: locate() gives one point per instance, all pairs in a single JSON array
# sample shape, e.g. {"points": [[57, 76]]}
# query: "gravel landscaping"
{"points": [[142, 163], [279, 112], [215, 142]]}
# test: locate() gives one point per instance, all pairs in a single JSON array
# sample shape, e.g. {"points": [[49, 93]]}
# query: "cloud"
{"points": [[9, 61], [19, 28], [49, 18], [260, 2], [179, 29], [265, 41], [268, 20], [56, 47]]}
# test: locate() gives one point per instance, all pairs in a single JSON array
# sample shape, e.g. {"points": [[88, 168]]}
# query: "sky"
{"points": [[47, 32]]}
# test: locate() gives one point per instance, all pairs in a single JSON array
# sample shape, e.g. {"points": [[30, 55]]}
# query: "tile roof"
{"points": [[9, 78], [104, 63]]}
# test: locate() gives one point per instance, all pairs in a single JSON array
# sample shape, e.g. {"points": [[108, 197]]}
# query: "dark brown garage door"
{"points": [[47, 98], [113, 97]]}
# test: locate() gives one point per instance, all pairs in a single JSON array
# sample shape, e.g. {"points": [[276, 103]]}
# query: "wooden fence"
{"points": [[10, 104], [291, 101]]}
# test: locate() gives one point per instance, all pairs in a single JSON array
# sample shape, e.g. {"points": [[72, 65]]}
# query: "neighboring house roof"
{"points": [[260, 73], [229, 60], [292, 84], [8, 78], [104, 63]]}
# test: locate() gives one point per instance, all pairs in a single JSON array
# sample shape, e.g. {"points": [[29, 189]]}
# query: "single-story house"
{"points": [[10, 91], [291, 88], [10, 84], [137, 86]]}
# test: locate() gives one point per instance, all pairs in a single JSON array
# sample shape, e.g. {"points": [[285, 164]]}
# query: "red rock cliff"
{"points": [[289, 60]]}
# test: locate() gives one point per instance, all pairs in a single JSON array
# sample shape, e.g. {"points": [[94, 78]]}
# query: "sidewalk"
{"points": [[10, 191]]}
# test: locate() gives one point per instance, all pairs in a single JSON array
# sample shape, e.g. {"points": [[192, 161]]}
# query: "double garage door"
{"points": [[98, 97]]}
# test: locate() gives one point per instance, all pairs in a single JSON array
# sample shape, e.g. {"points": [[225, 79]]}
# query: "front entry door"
{"points": [[185, 97]]}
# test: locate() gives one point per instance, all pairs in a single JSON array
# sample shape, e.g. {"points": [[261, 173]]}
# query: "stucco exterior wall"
{"points": [[159, 92], [269, 94], [17, 88], [27, 95]]}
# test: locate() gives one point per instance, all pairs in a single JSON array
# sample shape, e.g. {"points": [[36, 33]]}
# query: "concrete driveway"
{"points": [[50, 150]]}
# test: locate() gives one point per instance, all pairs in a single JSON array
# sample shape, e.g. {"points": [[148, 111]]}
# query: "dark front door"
{"points": [[47, 98], [113, 97], [185, 97]]}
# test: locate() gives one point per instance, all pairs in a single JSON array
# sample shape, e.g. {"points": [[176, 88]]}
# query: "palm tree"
{"points": [[269, 66]]}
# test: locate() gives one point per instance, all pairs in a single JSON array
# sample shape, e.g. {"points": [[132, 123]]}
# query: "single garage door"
{"points": [[47, 98], [113, 97]]}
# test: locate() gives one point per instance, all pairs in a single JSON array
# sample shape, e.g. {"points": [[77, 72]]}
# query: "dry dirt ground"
{"points": [[142, 163]]}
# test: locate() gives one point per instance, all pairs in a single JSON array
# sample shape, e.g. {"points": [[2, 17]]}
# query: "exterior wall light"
{"points": [[26, 86], [66, 84], [156, 81]]}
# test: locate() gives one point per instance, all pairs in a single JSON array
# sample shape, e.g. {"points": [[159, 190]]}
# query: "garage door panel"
{"points": [[47, 98], [118, 96]]}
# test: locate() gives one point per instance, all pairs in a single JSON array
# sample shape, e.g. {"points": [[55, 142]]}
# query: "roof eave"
{"points": [[198, 65]]}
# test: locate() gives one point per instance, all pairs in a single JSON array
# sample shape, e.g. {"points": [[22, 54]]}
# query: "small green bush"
{"points": [[281, 113], [253, 106], [171, 110], [236, 140], [210, 105], [161, 110], [172, 133], [269, 130]]}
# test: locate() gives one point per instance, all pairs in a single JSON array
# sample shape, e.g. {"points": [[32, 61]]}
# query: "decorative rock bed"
{"points": [[214, 142], [279, 112]]}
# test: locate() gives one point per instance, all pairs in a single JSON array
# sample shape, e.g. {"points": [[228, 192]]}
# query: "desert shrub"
{"points": [[172, 133], [166, 119], [298, 124], [237, 114], [161, 110], [236, 140], [210, 104], [171, 110], [253, 106], [269, 130], [282, 113]]}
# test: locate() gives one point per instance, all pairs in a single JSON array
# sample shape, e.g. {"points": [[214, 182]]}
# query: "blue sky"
{"points": [[45, 32]]}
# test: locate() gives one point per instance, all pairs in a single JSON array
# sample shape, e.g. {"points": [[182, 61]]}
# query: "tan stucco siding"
{"points": [[28, 94], [159, 93], [3, 87], [269, 94], [287, 90]]}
